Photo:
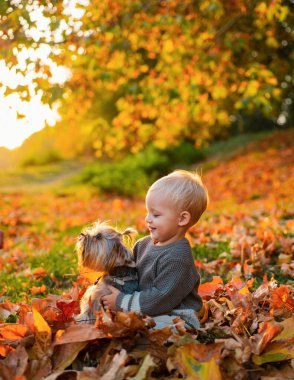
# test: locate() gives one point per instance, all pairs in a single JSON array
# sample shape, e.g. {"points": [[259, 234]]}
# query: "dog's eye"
{"points": [[98, 236]]}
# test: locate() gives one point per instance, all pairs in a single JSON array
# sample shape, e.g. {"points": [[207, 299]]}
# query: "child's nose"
{"points": [[147, 218]]}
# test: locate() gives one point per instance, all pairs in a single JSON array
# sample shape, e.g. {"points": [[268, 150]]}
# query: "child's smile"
{"points": [[162, 219]]}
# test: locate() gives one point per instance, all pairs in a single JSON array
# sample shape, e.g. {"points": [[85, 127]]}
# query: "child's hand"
{"points": [[109, 301]]}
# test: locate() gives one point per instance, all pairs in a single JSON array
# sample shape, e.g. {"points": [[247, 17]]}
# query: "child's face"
{"points": [[162, 218]]}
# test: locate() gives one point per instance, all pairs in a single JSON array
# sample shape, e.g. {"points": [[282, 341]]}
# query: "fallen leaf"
{"points": [[40, 324], [117, 368], [207, 289], [197, 361], [14, 365], [275, 352], [12, 331], [65, 354], [78, 333], [145, 369], [288, 330], [68, 309], [7, 308], [282, 303], [266, 332]]}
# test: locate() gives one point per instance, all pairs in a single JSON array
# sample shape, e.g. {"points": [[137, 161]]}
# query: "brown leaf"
{"points": [[7, 308], [78, 333], [117, 368], [14, 365], [218, 311], [237, 348], [288, 269], [65, 354], [38, 369], [123, 324]]}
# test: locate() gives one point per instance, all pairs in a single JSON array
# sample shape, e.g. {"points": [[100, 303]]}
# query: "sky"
{"points": [[19, 119], [14, 131]]}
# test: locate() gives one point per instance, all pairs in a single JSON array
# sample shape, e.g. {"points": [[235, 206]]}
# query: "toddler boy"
{"points": [[168, 278]]}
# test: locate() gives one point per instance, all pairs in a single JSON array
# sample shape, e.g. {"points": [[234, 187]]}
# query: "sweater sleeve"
{"points": [[174, 282]]}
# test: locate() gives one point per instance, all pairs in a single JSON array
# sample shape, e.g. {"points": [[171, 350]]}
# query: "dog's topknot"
{"points": [[100, 247]]}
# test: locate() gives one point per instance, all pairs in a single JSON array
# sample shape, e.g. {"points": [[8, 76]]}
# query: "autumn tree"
{"points": [[152, 71]]}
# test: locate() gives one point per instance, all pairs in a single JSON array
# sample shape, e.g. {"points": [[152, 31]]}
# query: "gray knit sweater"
{"points": [[168, 281]]}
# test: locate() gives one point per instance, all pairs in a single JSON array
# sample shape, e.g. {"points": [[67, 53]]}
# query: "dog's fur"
{"points": [[100, 248]]}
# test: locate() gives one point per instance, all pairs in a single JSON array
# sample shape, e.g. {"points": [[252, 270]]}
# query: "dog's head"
{"points": [[100, 247]]}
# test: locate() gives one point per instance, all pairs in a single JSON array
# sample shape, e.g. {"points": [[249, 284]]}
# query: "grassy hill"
{"points": [[63, 175]]}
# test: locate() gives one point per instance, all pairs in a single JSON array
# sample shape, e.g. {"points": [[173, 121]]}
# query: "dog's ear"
{"points": [[81, 236], [130, 233], [124, 255]]}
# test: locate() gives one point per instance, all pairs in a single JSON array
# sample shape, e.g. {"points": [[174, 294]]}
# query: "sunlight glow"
{"points": [[19, 118], [32, 117]]}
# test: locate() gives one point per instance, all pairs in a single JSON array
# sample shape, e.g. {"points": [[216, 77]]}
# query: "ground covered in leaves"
{"points": [[243, 249]]}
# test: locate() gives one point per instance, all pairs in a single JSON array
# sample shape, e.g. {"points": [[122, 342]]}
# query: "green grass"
{"points": [[206, 253], [60, 263]]}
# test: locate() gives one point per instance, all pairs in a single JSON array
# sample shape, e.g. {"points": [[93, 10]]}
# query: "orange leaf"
{"points": [[12, 331], [266, 332], [208, 289], [203, 313], [38, 289], [5, 349], [281, 298], [237, 282], [39, 273]]}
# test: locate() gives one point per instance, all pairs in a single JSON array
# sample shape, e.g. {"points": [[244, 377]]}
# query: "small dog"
{"points": [[100, 248]]}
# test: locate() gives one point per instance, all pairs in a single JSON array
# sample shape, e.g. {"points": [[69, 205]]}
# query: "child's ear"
{"points": [[184, 218]]}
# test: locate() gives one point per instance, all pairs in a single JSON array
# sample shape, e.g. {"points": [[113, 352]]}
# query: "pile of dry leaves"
{"points": [[244, 334]]}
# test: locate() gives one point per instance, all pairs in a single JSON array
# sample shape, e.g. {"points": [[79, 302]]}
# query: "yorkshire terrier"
{"points": [[100, 248]]}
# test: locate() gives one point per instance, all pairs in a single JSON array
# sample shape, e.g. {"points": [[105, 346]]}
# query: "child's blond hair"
{"points": [[186, 190]]}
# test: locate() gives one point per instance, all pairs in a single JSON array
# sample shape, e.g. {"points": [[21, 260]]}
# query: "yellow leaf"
{"points": [[252, 88], [244, 290], [40, 323], [219, 92], [272, 42], [168, 46]]}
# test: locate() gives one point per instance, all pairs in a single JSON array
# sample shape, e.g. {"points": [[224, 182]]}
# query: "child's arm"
{"points": [[175, 280]]}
